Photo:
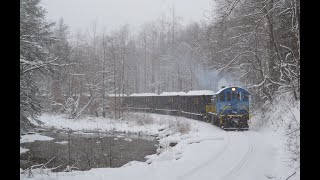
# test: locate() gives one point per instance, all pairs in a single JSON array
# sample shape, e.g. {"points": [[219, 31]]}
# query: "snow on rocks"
{"points": [[62, 142], [34, 137], [127, 139], [23, 150]]}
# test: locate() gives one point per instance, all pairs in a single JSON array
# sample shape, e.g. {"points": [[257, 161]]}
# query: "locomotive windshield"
{"points": [[221, 97], [228, 96], [234, 96], [245, 96]]}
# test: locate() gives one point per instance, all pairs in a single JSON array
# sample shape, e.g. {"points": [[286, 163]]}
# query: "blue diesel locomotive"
{"points": [[229, 108]]}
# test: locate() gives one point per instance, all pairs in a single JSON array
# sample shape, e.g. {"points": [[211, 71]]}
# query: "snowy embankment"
{"points": [[60, 121], [280, 125], [23, 150], [34, 137], [200, 150]]}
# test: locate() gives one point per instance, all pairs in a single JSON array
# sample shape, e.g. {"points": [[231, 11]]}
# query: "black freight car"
{"points": [[191, 104]]}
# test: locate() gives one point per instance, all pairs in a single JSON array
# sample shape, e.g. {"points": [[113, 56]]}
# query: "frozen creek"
{"points": [[86, 150]]}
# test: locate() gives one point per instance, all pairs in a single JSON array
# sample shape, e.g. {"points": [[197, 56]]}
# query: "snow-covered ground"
{"points": [[23, 150], [61, 121], [62, 142], [34, 137], [280, 125], [202, 152]]}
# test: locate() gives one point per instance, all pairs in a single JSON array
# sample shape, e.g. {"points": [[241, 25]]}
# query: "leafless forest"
{"points": [[255, 43]]}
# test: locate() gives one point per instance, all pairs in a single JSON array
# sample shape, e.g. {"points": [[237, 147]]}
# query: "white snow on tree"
{"points": [[35, 59]]}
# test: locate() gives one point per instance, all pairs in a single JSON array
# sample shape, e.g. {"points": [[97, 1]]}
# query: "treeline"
{"points": [[254, 42]]}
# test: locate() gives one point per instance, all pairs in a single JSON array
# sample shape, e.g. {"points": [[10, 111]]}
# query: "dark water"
{"points": [[88, 150]]}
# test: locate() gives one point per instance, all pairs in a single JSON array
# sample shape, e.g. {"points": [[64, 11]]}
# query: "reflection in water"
{"points": [[87, 150]]}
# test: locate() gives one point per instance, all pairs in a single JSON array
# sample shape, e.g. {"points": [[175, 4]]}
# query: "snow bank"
{"points": [[88, 123], [128, 139], [34, 137], [280, 125], [23, 150], [62, 142]]}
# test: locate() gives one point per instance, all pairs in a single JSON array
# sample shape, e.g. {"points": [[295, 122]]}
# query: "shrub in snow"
{"points": [[71, 107], [145, 119], [37, 169], [30, 172], [291, 116], [180, 126], [140, 119], [70, 168]]}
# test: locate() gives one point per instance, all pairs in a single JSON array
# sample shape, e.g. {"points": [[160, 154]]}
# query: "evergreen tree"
{"points": [[35, 58]]}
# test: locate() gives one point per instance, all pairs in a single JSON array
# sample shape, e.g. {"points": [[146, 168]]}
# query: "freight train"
{"points": [[228, 108]]}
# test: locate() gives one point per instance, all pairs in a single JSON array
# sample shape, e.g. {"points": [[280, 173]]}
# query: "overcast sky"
{"points": [[110, 14]]}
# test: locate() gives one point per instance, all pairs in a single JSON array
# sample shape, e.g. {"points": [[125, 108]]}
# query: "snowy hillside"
{"points": [[280, 123]]}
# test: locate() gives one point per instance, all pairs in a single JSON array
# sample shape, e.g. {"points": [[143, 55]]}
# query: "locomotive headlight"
{"points": [[233, 89]]}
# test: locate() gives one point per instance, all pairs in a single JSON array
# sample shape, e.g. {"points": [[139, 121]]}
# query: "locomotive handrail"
{"points": [[225, 107], [245, 108], [249, 115]]}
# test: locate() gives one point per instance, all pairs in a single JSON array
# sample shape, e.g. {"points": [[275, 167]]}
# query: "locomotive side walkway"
{"points": [[205, 152]]}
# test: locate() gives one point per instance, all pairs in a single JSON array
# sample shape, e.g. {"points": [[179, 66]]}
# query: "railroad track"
{"points": [[216, 162], [231, 174], [210, 161]]}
